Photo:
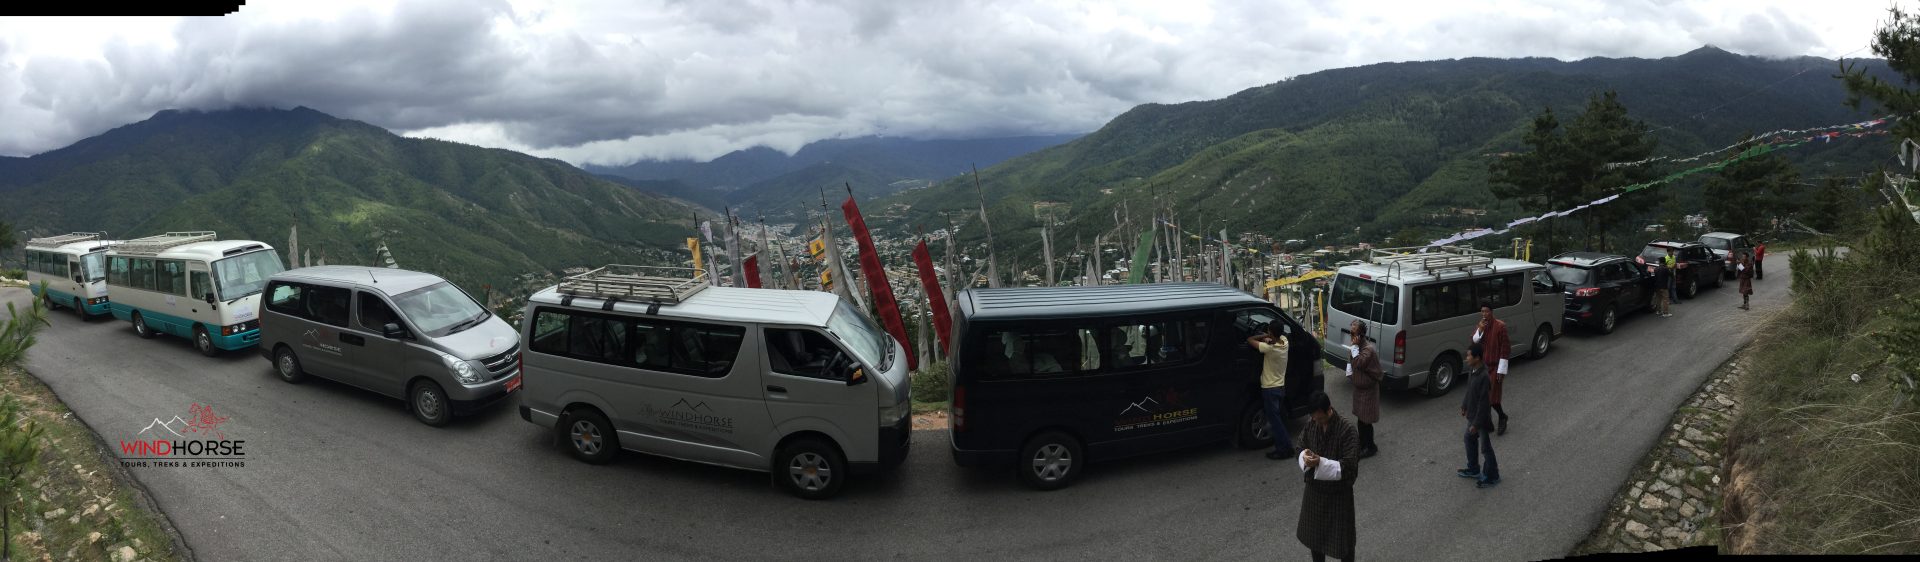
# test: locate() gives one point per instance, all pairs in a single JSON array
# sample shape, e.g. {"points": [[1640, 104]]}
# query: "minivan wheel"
{"points": [[1542, 343], [589, 437], [1254, 432], [204, 342], [140, 327], [288, 366], [810, 469], [1443, 375], [1051, 461], [1609, 320], [429, 404]]}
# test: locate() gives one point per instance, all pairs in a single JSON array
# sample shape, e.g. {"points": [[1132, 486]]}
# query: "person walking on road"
{"points": [[1272, 346], [1662, 277], [1672, 263], [1745, 274], [1760, 260], [1329, 461], [1479, 414], [1365, 374], [1491, 334]]}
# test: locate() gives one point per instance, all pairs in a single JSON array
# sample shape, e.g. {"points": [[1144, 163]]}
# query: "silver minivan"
{"points": [[401, 333], [795, 383], [1421, 307]]}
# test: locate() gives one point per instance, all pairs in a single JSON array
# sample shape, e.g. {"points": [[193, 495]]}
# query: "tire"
{"points": [[79, 309], [429, 403], [203, 342], [1050, 461], [287, 365], [589, 436], [1253, 430], [1692, 289], [1447, 364], [810, 468], [1610, 320], [140, 326], [1542, 342], [46, 300]]}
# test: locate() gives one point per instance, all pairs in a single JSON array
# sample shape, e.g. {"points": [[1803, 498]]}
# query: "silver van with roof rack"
{"points": [[655, 360], [1421, 306], [405, 334]]}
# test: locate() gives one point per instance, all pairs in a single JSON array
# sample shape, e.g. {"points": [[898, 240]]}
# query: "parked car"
{"points": [[1601, 287], [1725, 245], [1697, 264]]}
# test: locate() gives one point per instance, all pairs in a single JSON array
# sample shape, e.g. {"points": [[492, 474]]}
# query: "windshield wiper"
{"points": [[474, 321]]}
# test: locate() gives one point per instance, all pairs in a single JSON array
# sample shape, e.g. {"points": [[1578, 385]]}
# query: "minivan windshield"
{"points": [[440, 309], [1570, 275], [94, 265], [245, 274], [864, 339]]}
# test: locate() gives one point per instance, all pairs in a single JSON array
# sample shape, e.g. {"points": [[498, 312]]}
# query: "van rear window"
{"points": [[1371, 300]]}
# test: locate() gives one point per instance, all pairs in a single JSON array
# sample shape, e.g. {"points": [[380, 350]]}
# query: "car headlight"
{"points": [[462, 371]]}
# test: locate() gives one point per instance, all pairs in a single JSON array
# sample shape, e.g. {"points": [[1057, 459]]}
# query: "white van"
{"points": [[1421, 306], [795, 383]]}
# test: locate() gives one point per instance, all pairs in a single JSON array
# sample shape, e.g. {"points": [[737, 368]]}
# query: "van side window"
{"points": [[286, 298], [1498, 292], [704, 349], [597, 338], [1157, 343], [1252, 321], [171, 278], [1364, 299], [142, 274], [801, 353], [328, 305], [374, 314], [202, 285], [549, 332], [117, 271], [650, 347], [1041, 352], [1441, 301]]}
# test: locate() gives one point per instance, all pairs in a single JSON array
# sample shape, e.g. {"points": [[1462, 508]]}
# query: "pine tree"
{"points": [[1745, 195], [1902, 344]]}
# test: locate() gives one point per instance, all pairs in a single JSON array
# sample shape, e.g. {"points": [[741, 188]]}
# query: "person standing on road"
{"points": [[1760, 260], [1745, 274], [1479, 413], [1672, 263], [1662, 278], [1330, 460], [1364, 373], [1272, 346], [1491, 334]]}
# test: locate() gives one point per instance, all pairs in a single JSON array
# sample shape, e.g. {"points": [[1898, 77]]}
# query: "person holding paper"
{"points": [[1744, 272], [1329, 463], [1364, 373], [1491, 334]]}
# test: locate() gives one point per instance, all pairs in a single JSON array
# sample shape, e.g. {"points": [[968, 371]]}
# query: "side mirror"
{"points": [[77, 279], [856, 374], [207, 297], [393, 331]]}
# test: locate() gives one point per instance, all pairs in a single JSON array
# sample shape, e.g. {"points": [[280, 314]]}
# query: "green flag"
{"points": [[1140, 256]]}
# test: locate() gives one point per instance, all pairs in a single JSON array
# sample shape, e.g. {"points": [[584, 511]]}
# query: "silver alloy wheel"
{"points": [[1540, 343], [1610, 320], [204, 342], [810, 471], [1052, 462], [1443, 376], [586, 437], [428, 403], [286, 365], [139, 325]]}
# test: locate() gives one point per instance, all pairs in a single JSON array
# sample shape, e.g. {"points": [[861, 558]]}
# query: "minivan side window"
{"points": [[374, 314], [287, 298], [328, 305], [801, 353], [1370, 300]]}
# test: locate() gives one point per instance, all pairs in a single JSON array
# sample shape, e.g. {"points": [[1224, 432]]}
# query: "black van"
{"points": [[1047, 378]]}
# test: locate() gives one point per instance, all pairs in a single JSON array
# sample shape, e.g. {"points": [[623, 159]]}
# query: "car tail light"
{"points": [[1400, 348], [959, 413], [1587, 292]]}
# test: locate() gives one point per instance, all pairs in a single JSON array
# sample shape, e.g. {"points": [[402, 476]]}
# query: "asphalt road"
{"points": [[336, 473]]}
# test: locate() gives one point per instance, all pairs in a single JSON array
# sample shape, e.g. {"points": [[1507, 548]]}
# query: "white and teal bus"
{"points": [[192, 285], [74, 267]]}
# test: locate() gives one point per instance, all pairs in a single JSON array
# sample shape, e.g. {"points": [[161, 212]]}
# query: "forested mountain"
{"points": [[475, 215], [1361, 154]]}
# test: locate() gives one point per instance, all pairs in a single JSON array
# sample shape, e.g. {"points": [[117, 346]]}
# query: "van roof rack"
{"points": [[156, 244], [64, 239], [1431, 260], [664, 285]]}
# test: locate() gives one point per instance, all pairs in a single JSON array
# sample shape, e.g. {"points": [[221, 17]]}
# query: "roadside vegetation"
{"points": [[62, 496]]}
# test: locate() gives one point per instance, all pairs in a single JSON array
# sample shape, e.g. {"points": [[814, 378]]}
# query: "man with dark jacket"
{"points": [[1479, 413], [1329, 462], [1662, 278], [1365, 374]]}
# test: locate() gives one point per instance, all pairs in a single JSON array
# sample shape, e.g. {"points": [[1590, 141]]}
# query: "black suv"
{"points": [[1601, 287], [1698, 264]]}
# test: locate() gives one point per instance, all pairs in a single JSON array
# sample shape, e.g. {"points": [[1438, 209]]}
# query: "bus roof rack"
{"points": [[664, 285], [156, 244], [51, 241], [1431, 260]]}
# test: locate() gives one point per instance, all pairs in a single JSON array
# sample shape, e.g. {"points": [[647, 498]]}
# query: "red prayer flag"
{"points": [[942, 321], [752, 265], [877, 280]]}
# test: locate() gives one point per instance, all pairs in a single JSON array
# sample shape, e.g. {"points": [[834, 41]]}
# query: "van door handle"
{"points": [[779, 389], [352, 339]]}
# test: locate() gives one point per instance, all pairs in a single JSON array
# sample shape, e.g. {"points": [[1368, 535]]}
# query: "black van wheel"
{"points": [[140, 327], [1444, 374], [810, 469], [429, 403], [288, 365], [588, 435], [1542, 342], [1254, 432], [1050, 461], [1609, 321], [203, 341]]}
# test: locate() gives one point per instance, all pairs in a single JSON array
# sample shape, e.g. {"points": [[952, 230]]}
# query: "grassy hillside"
{"points": [[475, 215]]}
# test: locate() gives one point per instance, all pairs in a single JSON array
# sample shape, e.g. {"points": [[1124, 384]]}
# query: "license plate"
{"points": [[513, 384]]}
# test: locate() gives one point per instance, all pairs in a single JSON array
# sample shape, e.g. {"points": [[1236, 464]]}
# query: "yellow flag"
{"points": [[817, 248], [693, 244]]}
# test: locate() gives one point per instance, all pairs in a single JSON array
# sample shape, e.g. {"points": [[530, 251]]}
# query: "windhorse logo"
{"points": [[193, 441], [690, 414], [1166, 407]]}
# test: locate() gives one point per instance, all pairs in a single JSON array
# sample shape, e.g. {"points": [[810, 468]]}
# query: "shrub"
{"points": [[13, 273], [930, 383], [17, 334]]}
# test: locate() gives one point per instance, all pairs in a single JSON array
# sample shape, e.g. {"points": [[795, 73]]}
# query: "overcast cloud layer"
{"points": [[609, 82]]}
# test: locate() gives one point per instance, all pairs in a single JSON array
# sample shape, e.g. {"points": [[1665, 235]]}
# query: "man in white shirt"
{"points": [[1272, 346]]}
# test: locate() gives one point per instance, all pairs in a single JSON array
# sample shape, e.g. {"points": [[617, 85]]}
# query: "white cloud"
{"points": [[601, 81]]}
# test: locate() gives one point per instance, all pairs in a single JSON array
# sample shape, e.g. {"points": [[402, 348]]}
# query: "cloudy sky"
{"points": [[609, 82]]}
